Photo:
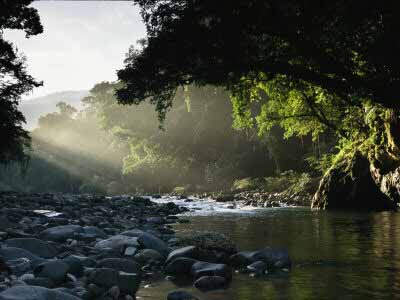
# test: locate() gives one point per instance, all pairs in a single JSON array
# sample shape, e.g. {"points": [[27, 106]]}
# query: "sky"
{"points": [[84, 42]]}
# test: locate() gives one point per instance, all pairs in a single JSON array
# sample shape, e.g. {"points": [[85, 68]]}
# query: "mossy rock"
{"points": [[213, 247], [349, 185]]}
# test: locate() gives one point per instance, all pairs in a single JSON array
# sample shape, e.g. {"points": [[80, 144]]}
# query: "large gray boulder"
{"points": [[189, 251], [35, 246], [117, 242], [22, 292], [91, 233], [259, 267], [61, 233], [56, 270], [272, 257], [75, 264], [150, 241], [147, 256], [181, 266], [12, 253], [120, 264], [200, 269], [108, 278]]}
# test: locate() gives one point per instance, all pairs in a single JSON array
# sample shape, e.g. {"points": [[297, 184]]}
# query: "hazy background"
{"points": [[84, 42]]}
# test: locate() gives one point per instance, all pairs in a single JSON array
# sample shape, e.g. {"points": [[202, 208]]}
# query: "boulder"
{"points": [[150, 241], [189, 251], [19, 266], [90, 233], [242, 258], [75, 265], [149, 256], [35, 246], [55, 270], [22, 292], [225, 198], [130, 251], [107, 278], [117, 242], [181, 266], [258, 267], [349, 185], [133, 233], [200, 269], [12, 253], [61, 233], [210, 283], [120, 264], [273, 258]]}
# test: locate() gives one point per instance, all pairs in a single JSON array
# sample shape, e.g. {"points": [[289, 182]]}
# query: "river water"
{"points": [[335, 255]]}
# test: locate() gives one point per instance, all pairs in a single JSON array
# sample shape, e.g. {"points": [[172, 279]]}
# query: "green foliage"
{"points": [[311, 69], [197, 146], [289, 181], [340, 48], [14, 80]]}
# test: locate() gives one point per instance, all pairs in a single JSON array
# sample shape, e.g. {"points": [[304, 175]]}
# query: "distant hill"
{"points": [[34, 108]]}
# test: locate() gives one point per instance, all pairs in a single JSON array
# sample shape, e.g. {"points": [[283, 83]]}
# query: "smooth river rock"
{"points": [[189, 251], [12, 253], [22, 292], [61, 233], [200, 269], [107, 278], [120, 264], [150, 241], [55, 270], [117, 242], [274, 258], [180, 267], [35, 246]]}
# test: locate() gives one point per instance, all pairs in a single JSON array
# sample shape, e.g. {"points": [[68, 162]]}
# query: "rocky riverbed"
{"points": [[55, 247]]}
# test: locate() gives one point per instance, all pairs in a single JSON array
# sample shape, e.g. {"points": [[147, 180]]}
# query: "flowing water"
{"points": [[335, 255]]}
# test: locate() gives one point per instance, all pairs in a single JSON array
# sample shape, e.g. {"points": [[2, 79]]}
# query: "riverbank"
{"points": [[71, 247], [287, 189]]}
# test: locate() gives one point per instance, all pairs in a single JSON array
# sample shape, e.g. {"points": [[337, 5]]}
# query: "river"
{"points": [[335, 255]]}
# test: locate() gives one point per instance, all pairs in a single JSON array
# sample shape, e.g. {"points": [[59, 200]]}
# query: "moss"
{"points": [[207, 240]]}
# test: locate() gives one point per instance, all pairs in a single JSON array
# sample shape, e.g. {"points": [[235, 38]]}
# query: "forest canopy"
{"points": [[347, 48]]}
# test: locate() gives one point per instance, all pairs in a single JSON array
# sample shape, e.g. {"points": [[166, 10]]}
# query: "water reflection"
{"points": [[336, 255]]}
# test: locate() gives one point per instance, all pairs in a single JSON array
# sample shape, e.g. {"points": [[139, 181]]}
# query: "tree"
{"points": [[346, 48], [311, 67], [14, 80]]}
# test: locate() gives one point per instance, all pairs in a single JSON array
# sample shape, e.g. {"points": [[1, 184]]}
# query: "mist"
{"points": [[104, 147]]}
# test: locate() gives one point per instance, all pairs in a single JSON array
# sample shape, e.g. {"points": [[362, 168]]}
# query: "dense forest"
{"points": [[110, 148]]}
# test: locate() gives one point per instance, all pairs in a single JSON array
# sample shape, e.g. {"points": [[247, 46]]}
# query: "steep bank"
{"points": [[366, 173]]}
